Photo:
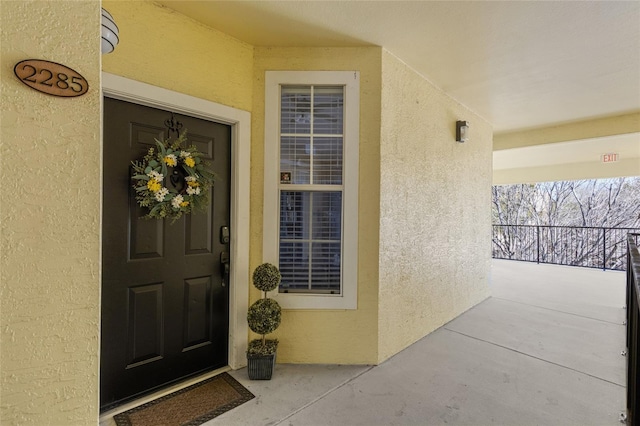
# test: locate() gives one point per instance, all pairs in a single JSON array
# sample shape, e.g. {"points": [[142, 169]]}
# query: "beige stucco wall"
{"points": [[435, 211], [50, 218], [596, 128], [603, 132], [166, 49], [568, 171], [344, 337]]}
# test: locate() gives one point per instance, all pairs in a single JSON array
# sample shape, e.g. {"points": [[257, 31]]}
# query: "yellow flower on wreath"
{"points": [[153, 185], [190, 162], [170, 160], [184, 204]]}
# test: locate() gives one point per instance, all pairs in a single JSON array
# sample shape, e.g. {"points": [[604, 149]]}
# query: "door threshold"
{"points": [[106, 418]]}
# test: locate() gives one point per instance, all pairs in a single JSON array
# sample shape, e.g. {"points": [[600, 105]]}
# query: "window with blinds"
{"points": [[311, 170], [310, 204]]}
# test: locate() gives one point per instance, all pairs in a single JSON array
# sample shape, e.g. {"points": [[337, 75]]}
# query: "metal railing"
{"points": [[633, 316], [591, 247]]}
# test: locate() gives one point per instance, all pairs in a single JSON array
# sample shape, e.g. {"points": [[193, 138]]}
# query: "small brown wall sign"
{"points": [[51, 78]]}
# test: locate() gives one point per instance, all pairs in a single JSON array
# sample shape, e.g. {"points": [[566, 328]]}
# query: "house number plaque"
{"points": [[51, 78]]}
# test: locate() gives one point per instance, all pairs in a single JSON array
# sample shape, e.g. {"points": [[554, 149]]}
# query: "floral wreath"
{"points": [[172, 180]]}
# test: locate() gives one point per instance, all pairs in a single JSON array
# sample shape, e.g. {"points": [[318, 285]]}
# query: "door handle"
{"points": [[224, 256], [225, 267]]}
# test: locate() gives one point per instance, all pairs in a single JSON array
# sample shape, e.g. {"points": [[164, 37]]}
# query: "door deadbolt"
{"points": [[224, 234]]}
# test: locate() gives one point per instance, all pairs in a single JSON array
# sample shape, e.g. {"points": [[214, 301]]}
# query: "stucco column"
{"points": [[50, 192]]}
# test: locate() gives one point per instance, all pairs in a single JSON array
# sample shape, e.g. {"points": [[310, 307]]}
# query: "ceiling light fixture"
{"points": [[110, 32]]}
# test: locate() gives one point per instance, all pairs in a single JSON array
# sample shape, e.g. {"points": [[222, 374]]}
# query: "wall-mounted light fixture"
{"points": [[462, 131], [109, 33]]}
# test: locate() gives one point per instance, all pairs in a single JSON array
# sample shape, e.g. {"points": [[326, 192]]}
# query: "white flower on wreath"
{"points": [[155, 175], [193, 191], [185, 154], [190, 178], [176, 201], [161, 194]]}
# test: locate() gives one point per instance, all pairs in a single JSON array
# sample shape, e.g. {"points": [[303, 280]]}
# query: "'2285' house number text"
{"points": [[51, 78]]}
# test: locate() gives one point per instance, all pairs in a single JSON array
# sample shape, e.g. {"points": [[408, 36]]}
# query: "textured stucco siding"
{"points": [[166, 49], [328, 336], [435, 209], [50, 184]]}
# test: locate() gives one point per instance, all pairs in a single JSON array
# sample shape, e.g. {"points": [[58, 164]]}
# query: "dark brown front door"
{"points": [[165, 298]]}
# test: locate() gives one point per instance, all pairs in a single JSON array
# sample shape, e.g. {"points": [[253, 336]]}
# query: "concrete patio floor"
{"points": [[543, 350]]}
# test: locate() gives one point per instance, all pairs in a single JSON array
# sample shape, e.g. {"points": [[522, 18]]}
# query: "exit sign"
{"points": [[610, 158]]}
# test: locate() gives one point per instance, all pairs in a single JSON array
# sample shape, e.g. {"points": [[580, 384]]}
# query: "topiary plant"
{"points": [[265, 314], [266, 277]]}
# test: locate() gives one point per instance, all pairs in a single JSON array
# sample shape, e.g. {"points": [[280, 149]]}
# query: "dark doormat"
{"points": [[190, 406]]}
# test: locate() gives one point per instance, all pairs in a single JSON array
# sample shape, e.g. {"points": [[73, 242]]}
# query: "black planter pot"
{"points": [[260, 367]]}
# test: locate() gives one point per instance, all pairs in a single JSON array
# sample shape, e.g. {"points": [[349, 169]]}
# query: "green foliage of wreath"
{"points": [[151, 179]]}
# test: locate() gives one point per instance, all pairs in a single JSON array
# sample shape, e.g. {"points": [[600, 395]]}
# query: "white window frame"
{"points": [[348, 297]]}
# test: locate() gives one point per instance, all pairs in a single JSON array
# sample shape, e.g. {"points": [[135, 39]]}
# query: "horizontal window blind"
{"points": [[311, 154], [310, 240]]}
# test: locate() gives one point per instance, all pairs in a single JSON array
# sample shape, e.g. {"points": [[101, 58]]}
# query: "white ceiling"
{"points": [[519, 64]]}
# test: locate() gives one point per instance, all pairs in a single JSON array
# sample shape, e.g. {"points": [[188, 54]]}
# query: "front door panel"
{"points": [[164, 297]]}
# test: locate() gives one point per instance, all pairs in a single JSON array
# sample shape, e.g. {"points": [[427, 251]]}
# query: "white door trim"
{"points": [[121, 88]]}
